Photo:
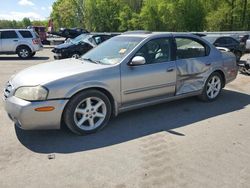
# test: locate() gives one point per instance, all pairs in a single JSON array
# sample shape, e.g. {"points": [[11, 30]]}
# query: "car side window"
{"points": [[8, 35], [189, 48], [221, 41], [98, 40], [156, 51], [231, 41], [26, 34]]}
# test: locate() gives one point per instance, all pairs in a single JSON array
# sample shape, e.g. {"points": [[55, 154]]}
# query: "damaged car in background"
{"points": [[235, 46], [126, 72], [80, 45]]}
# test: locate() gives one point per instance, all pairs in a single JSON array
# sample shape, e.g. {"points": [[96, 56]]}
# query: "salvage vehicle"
{"points": [[23, 42], [128, 71], [69, 33], [244, 67], [231, 43], [80, 45]]}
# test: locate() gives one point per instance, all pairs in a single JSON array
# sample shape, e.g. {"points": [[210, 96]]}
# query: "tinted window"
{"points": [[26, 34], [221, 41], [189, 48], [156, 51], [231, 41], [8, 35]]}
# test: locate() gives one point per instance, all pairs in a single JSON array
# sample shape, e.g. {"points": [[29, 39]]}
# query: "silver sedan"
{"points": [[129, 71]]}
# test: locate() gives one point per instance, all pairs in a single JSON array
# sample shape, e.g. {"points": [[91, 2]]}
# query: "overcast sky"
{"points": [[18, 9]]}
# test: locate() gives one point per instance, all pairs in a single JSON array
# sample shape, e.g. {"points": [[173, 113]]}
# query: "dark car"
{"points": [[231, 43], [79, 45], [69, 33]]}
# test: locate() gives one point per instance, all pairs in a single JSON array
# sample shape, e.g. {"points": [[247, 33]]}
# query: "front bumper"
{"points": [[24, 115], [58, 56]]}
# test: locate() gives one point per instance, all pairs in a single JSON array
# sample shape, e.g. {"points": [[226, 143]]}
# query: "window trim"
{"points": [[207, 47], [172, 58]]}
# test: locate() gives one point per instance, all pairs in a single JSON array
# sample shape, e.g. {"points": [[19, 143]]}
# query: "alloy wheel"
{"points": [[90, 113], [213, 87], [76, 56], [24, 53]]}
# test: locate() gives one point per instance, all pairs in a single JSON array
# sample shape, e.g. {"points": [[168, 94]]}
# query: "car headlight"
{"points": [[32, 93]]}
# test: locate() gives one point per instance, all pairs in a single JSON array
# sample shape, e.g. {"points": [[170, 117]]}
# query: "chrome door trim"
{"points": [[148, 88]]}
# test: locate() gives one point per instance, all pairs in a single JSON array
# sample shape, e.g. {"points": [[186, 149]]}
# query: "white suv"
{"points": [[23, 42]]}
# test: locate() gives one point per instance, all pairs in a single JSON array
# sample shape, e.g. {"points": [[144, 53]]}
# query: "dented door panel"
{"points": [[191, 74]]}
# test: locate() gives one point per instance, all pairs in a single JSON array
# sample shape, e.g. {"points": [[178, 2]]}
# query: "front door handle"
{"points": [[171, 69], [15, 40], [208, 64]]}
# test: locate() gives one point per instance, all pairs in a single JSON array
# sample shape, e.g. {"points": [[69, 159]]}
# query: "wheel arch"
{"points": [[24, 45], [111, 98], [222, 76]]}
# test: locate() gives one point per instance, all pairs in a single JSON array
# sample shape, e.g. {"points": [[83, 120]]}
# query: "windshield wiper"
{"points": [[91, 60]]}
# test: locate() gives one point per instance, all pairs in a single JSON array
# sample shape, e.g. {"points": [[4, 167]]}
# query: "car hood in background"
{"points": [[63, 45], [48, 72]]}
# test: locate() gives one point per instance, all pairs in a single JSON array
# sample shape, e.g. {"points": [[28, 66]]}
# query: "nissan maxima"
{"points": [[129, 71]]}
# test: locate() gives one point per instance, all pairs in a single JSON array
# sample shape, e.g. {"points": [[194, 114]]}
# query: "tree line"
{"points": [[153, 15], [24, 23], [160, 15]]}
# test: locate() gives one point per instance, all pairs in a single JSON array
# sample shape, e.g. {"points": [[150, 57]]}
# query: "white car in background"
{"points": [[23, 42], [248, 45]]}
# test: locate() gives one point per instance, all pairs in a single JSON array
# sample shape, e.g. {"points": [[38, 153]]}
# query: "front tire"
{"points": [[87, 112], [76, 55], [212, 88]]}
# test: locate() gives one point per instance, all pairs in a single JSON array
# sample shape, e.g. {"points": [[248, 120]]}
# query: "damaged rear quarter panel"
{"points": [[192, 73]]}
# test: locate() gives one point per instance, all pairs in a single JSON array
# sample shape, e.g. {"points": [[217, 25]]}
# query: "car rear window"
{"points": [[26, 34]]}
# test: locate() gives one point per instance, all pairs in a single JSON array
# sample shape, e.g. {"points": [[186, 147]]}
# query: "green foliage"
{"points": [[26, 22], [102, 15], [155, 15], [8, 24]]}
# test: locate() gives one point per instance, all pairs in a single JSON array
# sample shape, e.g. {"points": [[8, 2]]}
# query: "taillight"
{"points": [[36, 41]]}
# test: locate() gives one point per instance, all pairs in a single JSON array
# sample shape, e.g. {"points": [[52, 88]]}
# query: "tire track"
{"points": [[160, 164]]}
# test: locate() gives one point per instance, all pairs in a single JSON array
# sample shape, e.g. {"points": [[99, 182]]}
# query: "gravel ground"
{"points": [[186, 143]]}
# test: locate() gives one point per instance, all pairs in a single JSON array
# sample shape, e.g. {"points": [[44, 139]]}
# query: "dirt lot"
{"points": [[184, 143]]}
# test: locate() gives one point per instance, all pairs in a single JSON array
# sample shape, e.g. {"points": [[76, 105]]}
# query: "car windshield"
{"points": [[112, 51], [78, 39]]}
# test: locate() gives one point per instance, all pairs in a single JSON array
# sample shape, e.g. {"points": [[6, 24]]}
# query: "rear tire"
{"points": [[87, 112], [24, 52], [212, 88]]}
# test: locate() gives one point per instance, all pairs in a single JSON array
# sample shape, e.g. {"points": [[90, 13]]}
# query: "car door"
{"points": [[155, 78], [192, 62], [9, 41]]}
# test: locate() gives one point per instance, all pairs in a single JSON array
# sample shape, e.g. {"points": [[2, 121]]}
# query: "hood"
{"points": [[63, 46], [48, 72]]}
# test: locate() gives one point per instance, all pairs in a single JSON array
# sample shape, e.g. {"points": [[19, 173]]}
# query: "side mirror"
{"points": [[137, 60]]}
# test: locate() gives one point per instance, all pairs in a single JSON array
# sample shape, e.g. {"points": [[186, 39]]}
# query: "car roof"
{"points": [[213, 38], [16, 30], [158, 34]]}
